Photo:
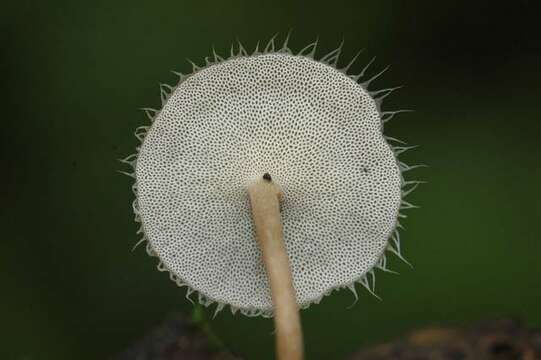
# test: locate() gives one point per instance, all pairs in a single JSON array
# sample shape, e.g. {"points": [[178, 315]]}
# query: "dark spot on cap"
{"points": [[267, 177]]}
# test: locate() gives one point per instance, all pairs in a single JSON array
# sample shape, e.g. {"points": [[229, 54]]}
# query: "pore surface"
{"points": [[315, 130]]}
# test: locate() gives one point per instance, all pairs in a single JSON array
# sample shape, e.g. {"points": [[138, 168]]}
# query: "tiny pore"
{"points": [[265, 181]]}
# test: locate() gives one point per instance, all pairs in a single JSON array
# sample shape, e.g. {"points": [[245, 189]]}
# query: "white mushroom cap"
{"points": [[316, 130]]}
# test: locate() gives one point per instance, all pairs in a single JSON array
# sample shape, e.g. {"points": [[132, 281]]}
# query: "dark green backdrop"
{"points": [[75, 73]]}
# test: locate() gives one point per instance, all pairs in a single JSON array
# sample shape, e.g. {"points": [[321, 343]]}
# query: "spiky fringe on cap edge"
{"points": [[368, 279]]}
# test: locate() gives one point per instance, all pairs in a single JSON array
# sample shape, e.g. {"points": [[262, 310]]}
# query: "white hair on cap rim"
{"points": [[315, 130]]}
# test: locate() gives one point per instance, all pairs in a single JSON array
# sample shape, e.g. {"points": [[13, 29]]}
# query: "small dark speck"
{"points": [[267, 177], [365, 170]]}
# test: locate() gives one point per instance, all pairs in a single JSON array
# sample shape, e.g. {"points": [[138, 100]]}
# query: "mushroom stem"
{"points": [[265, 196]]}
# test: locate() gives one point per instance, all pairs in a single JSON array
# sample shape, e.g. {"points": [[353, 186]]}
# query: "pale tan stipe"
{"points": [[265, 196]]}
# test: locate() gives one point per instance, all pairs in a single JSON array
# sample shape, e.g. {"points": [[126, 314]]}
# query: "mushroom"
{"points": [[265, 182]]}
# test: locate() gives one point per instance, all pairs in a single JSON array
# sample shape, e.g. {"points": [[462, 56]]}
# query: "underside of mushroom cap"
{"points": [[316, 130]]}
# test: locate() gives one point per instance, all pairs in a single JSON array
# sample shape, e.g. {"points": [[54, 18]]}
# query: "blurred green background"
{"points": [[75, 73]]}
